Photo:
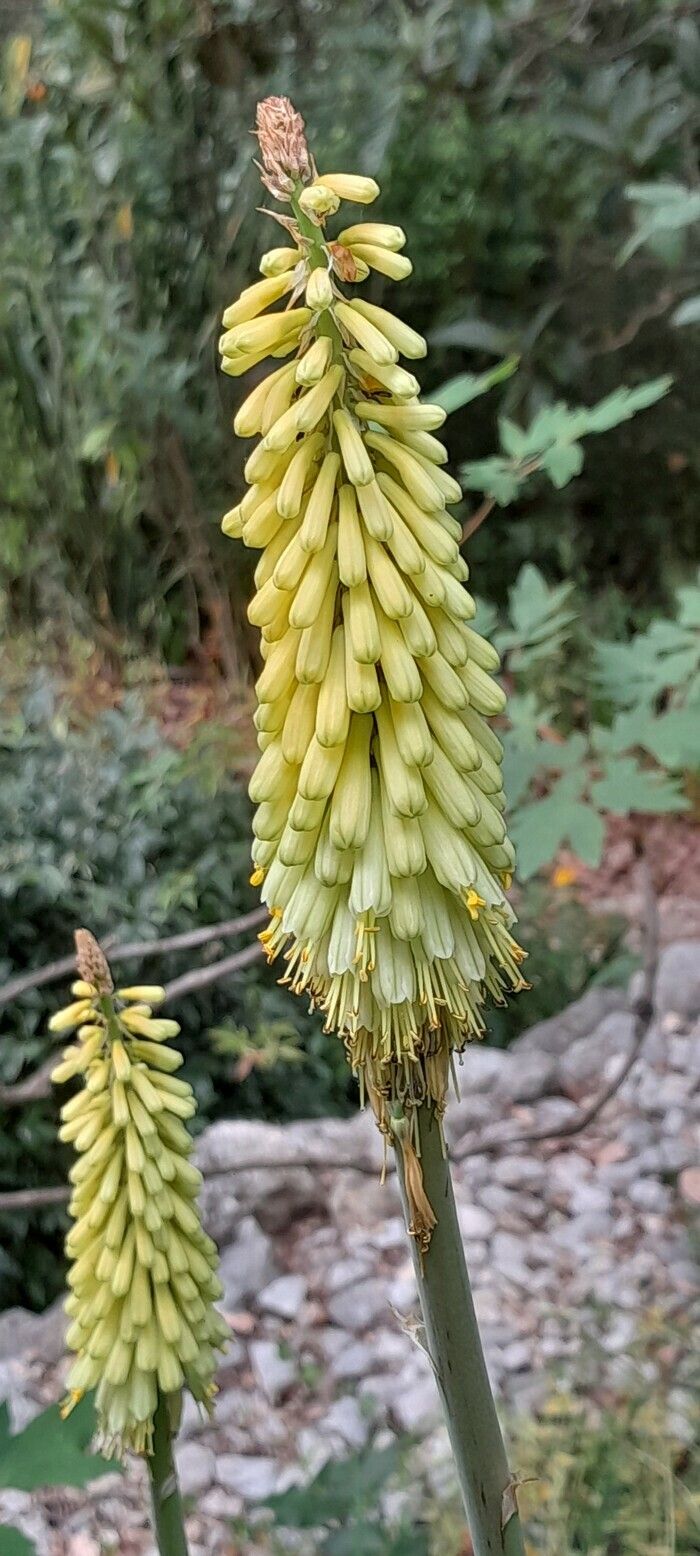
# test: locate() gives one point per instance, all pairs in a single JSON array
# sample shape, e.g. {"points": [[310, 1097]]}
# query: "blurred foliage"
{"points": [[544, 163], [615, 1484], [595, 727]]}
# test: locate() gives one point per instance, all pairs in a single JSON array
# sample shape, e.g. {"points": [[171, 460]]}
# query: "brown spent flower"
{"points": [[92, 963], [285, 154]]}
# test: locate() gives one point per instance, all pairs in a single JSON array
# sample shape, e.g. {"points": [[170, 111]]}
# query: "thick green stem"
{"points": [[454, 1347], [165, 1492]]}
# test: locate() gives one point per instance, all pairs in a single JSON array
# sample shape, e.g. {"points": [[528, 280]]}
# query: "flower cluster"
{"points": [[143, 1271], [380, 844]]}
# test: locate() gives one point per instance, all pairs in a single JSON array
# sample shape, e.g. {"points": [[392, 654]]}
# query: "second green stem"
{"points": [[455, 1351]]}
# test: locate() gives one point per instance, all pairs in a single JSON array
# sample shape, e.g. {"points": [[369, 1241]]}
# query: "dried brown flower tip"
{"points": [[91, 962], [285, 154]]}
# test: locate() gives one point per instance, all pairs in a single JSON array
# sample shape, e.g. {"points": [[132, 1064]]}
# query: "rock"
{"points": [[33, 1334], [520, 1172], [416, 1405], [353, 1361], [17, 1509], [556, 1035], [689, 1185], [358, 1306], [247, 1266], [284, 1297], [474, 1222], [471, 1110], [358, 1201], [481, 1069], [220, 1504], [401, 1292], [274, 1373], [345, 1424], [533, 1075], [516, 1357], [221, 1211], [648, 1194], [678, 980], [347, 1272], [582, 1067], [196, 1468], [248, 1476]]}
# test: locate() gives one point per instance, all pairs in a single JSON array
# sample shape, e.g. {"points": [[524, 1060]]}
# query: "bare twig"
{"points": [[33, 1199], [32, 1089], [133, 948], [643, 1010], [200, 977], [474, 523]]}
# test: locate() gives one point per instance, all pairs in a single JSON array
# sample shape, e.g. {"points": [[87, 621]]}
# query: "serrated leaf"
{"points": [[625, 403], [513, 439], [495, 477], [49, 1451], [627, 787], [465, 387], [562, 462], [541, 828]]}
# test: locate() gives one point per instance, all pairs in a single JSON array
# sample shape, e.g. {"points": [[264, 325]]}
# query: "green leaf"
{"points": [[465, 387], [627, 787], [355, 1539], [13, 1543], [495, 477], [541, 828], [562, 462], [624, 403], [587, 834], [50, 1452], [339, 1490]]}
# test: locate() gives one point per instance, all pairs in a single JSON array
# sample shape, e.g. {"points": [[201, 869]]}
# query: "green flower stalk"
{"points": [[143, 1272], [380, 845]]}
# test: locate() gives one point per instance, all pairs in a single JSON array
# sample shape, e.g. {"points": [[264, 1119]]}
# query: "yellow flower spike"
{"points": [[380, 846], [133, 1329]]}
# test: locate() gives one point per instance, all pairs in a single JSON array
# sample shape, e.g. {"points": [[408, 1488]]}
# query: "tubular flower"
{"points": [[143, 1271], [380, 846]]}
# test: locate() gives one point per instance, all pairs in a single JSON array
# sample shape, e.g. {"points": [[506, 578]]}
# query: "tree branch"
{"points": [[24, 1199], [133, 948], [643, 1009], [200, 977]]}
